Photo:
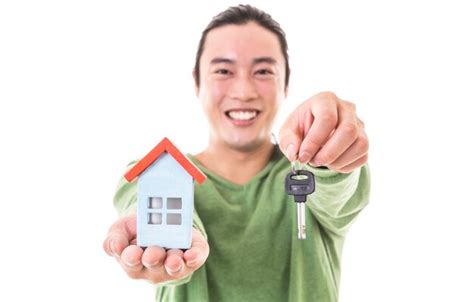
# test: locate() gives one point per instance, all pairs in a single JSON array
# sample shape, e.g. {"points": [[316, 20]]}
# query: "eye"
{"points": [[222, 71], [264, 71]]}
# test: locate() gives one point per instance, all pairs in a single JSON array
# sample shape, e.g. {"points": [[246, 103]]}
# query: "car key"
{"points": [[300, 183]]}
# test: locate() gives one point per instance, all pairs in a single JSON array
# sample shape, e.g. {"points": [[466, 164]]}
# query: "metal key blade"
{"points": [[301, 220], [299, 184]]}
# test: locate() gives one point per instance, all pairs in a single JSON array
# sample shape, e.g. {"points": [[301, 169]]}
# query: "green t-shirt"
{"points": [[255, 254]]}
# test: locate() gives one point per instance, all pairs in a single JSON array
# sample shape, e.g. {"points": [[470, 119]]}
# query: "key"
{"points": [[295, 165], [300, 183]]}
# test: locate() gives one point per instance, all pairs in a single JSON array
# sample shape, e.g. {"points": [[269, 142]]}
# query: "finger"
{"points": [[174, 263], [358, 163], [199, 251], [358, 149], [325, 121], [290, 138], [153, 256], [115, 243], [131, 261], [345, 134], [120, 234], [153, 260]]}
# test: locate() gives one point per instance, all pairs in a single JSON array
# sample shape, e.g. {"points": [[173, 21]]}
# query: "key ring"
{"points": [[295, 166]]}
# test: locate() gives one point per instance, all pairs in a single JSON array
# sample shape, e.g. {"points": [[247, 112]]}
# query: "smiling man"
{"points": [[245, 245]]}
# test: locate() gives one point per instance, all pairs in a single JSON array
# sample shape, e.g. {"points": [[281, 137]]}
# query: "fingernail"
{"points": [[192, 262], [171, 272], [113, 249], [130, 264], [290, 152], [150, 265]]}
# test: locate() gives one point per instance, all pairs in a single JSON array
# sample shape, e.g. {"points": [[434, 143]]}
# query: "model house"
{"points": [[165, 197]]}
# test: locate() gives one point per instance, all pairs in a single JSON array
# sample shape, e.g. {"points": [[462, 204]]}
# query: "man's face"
{"points": [[242, 72]]}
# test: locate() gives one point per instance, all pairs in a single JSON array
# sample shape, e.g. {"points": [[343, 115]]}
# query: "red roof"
{"points": [[165, 145]]}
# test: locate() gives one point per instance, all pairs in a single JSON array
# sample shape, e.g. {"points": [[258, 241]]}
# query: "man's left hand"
{"points": [[325, 131]]}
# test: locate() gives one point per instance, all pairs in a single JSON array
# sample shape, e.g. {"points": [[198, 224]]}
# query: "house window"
{"points": [[155, 203], [172, 211], [174, 203], [155, 218], [173, 218], [174, 207]]}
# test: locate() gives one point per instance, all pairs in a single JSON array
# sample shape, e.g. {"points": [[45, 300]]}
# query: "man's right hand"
{"points": [[154, 263]]}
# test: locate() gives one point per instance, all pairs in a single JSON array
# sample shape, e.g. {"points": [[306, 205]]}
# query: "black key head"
{"points": [[299, 184]]}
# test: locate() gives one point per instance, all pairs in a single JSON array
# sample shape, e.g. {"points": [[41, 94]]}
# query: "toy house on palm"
{"points": [[165, 197]]}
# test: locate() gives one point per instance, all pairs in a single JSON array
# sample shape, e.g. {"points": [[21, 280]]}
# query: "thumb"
{"points": [[120, 234], [199, 251], [290, 139]]}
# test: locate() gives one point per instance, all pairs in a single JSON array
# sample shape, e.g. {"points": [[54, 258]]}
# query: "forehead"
{"points": [[241, 42]]}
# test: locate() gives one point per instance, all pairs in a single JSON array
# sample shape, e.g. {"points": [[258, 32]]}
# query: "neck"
{"points": [[235, 165]]}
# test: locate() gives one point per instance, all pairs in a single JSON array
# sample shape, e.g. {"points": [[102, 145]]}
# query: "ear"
{"points": [[196, 87]]}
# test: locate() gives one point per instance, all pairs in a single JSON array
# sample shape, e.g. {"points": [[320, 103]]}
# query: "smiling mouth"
{"points": [[242, 115]]}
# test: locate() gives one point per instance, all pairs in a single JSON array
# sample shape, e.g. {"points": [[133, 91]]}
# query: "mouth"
{"points": [[242, 115]]}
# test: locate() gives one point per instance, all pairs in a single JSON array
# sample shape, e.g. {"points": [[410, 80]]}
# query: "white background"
{"points": [[87, 86]]}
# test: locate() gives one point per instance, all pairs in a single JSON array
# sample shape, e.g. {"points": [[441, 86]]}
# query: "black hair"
{"points": [[240, 15]]}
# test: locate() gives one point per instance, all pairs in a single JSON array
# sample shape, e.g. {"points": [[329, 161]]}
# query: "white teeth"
{"points": [[242, 115]]}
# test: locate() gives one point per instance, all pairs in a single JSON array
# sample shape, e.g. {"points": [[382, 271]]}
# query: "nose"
{"points": [[243, 89]]}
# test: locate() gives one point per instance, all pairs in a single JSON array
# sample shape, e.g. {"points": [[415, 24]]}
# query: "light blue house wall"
{"points": [[165, 178]]}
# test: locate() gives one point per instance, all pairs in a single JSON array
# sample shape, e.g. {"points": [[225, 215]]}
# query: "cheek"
{"points": [[212, 95], [217, 90], [270, 92], [267, 89]]}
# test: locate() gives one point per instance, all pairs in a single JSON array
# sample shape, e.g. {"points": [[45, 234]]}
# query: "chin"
{"points": [[245, 145]]}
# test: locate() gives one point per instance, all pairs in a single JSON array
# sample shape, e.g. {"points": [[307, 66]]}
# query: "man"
{"points": [[245, 246]]}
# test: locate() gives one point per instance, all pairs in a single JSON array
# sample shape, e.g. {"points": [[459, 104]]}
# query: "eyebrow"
{"points": [[268, 60], [255, 61]]}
